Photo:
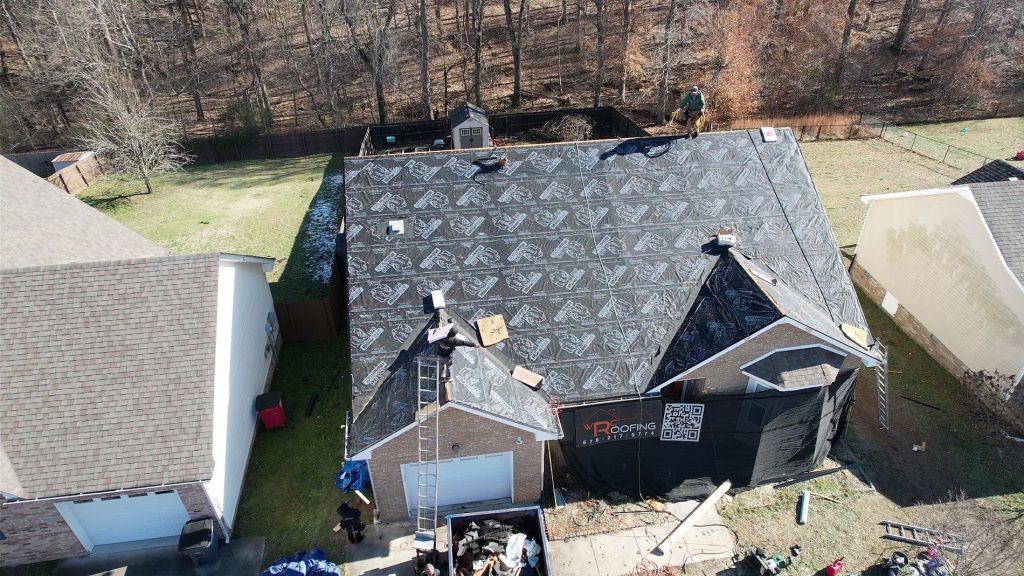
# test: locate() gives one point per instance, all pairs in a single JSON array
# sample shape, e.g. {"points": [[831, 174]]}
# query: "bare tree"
{"points": [[844, 47], [249, 34], [374, 26], [627, 29], [424, 64], [478, 38], [599, 68], [666, 47], [992, 540], [125, 130], [899, 42], [515, 38]]}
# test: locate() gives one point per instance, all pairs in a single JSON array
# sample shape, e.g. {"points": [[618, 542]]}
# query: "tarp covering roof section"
{"points": [[594, 252]]}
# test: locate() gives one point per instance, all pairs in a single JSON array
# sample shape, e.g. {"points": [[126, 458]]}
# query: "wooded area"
{"points": [[70, 69]]}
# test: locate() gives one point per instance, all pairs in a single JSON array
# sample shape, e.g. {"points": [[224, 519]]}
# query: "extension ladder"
{"points": [[882, 387], [921, 536], [428, 378]]}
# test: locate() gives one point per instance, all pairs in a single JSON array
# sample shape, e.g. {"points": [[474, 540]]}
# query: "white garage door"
{"points": [[462, 480], [125, 518]]}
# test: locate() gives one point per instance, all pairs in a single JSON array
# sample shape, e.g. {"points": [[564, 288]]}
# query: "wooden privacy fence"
{"points": [[314, 320], [79, 175]]}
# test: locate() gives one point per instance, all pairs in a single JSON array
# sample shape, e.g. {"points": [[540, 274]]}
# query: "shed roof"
{"points": [[41, 225], [465, 112], [598, 254], [107, 374], [71, 156]]}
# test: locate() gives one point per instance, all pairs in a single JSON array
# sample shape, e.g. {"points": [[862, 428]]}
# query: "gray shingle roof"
{"points": [[995, 171], [798, 368], [41, 225], [465, 112], [1002, 205], [107, 372]]}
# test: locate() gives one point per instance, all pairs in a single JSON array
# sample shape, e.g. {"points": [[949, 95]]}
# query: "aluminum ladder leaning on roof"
{"points": [[428, 378], [882, 387]]}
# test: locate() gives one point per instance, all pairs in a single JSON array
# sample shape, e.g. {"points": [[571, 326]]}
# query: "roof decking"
{"points": [[595, 253]]}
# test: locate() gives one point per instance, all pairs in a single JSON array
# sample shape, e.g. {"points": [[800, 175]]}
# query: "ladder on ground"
{"points": [[882, 387], [926, 537], [428, 379]]}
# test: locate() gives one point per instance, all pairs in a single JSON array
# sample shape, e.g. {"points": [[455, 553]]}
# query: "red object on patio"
{"points": [[835, 568], [271, 410]]}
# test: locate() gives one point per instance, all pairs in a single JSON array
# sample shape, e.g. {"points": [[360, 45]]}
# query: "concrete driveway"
{"points": [[241, 557]]}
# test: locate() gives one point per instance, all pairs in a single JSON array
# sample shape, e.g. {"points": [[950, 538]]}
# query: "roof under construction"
{"points": [[600, 255]]}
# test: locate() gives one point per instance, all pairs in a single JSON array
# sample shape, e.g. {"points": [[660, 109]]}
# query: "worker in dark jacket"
{"points": [[351, 519], [692, 106], [446, 346]]}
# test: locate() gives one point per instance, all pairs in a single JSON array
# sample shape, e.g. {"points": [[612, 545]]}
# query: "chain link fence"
{"points": [[930, 148]]}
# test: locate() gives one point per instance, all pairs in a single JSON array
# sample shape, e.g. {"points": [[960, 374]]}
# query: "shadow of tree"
{"points": [[313, 250]]}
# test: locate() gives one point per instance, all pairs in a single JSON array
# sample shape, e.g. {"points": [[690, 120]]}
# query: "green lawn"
{"points": [[289, 494], [257, 207], [996, 138], [844, 170]]}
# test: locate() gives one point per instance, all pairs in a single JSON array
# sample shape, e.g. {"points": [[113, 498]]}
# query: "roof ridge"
{"points": [[91, 264]]}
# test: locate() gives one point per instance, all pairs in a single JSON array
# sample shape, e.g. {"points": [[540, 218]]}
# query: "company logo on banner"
{"points": [[682, 422], [615, 422]]}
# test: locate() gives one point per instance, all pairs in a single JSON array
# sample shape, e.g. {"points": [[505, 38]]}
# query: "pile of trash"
{"points": [[312, 563], [492, 548]]}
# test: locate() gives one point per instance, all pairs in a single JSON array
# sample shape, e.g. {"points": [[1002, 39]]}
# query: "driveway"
{"points": [[242, 557]]}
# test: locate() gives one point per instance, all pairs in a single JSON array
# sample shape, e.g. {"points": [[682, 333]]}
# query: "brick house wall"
{"points": [[35, 531], [475, 435], [990, 396], [723, 374]]}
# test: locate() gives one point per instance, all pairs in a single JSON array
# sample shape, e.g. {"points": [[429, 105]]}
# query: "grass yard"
{"points": [[257, 207], [289, 494], [844, 170], [998, 138]]}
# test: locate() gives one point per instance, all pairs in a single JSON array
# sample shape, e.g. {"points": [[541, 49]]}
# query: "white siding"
{"points": [[934, 254], [243, 302]]}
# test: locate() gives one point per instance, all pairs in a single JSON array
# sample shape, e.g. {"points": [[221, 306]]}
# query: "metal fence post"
{"points": [[912, 142], [882, 134], [946, 154]]}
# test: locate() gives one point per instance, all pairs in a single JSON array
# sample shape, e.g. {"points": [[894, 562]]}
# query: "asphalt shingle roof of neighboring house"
{"points": [[107, 372], [598, 254], [41, 225], [1002, 206], [994, 171]]}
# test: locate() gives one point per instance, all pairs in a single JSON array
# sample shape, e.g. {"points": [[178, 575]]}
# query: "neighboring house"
{"points": [[684, 300], [948, 265], [128, 378], [994, 171], [470, 127]]}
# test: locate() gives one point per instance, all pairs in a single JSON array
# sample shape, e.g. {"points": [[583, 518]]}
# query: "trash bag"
{"points": [[352, 476], [303, 563]]}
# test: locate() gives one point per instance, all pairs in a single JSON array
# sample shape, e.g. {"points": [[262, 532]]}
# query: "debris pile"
{"points": [[493, 548]]}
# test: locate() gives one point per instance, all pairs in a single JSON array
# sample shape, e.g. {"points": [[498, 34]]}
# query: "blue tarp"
{"points": [[353, 476], [311, 563]]}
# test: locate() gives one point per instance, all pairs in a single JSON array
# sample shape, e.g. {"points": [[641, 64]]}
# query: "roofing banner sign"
{"points": [[621, 421]]}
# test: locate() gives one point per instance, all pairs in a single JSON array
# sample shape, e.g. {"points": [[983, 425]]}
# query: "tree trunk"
{"points": [[899, 42], [428, 113], [777, 10], [599, 72], [665, 48], [579, 26], [515, 35], [12, 26], [627, 28], [148, 180], [478, 37], [851, 11]]}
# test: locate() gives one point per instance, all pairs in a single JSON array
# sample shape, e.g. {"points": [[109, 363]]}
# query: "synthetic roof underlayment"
{"points": [[599, 255], [107, 374]]}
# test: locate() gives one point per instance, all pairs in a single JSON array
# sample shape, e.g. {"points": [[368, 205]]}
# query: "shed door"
{"points": [[125, 518], [462, 480]]}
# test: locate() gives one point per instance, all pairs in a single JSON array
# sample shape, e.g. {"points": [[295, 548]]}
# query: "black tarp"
{"points": [[795, 433]]}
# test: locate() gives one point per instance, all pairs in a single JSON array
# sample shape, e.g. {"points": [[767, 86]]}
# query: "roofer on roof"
{"points": [[446, 346], [692, 106]]}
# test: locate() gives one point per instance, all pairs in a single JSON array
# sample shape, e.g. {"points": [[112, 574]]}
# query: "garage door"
{"points": [[119, 519], [469, 479]]}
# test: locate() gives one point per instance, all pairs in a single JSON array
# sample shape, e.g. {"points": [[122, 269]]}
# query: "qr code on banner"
{"points": [[682, 422]]}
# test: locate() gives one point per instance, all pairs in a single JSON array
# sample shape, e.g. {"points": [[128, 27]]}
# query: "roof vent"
{"points": [[768, 134], [396, 227], [726, 237]]}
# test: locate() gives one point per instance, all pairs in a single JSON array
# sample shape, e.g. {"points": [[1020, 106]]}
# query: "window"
{"points": [[464, 131], [477, 131], [755, 411]]}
